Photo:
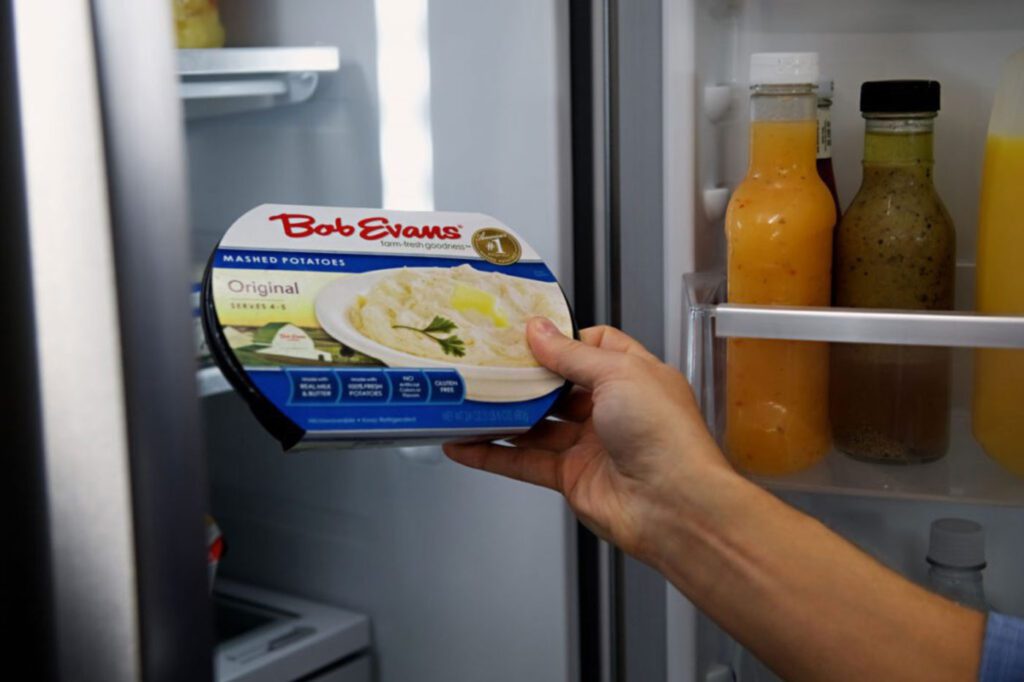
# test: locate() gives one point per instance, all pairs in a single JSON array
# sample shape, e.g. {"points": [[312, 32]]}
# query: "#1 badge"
{"points": [[353, 325], [497, 246]]}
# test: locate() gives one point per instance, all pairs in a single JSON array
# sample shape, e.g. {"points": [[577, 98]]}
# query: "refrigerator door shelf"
{"points": [[964, 474], [232, 80], [845, 325], [704, 293]]}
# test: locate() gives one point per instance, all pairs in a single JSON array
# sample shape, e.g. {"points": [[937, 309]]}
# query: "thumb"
{"points": [[581, 364]]}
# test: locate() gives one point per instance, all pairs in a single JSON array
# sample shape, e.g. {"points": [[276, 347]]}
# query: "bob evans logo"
{"points": [[299, 226]]}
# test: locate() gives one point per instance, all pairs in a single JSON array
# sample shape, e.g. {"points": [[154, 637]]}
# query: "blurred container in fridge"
{"points": [[999, 373]]}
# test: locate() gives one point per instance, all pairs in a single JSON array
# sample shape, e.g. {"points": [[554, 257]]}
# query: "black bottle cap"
{"points": [[896, 97]]}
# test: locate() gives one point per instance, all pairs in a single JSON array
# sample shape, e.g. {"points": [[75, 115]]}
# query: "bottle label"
{"points": [[824, 133]]}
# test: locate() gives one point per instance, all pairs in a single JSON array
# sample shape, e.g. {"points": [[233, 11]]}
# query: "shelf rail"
{"points": [[236, 79], [847, 325]]}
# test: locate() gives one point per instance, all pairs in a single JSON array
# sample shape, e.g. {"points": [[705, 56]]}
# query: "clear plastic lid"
{"points": [[1008, 107]]}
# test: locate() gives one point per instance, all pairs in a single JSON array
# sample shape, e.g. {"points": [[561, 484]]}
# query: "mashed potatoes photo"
{"points": [[459, 315]]}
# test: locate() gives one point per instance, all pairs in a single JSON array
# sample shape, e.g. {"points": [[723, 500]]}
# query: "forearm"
{"points": [[804, 600]]}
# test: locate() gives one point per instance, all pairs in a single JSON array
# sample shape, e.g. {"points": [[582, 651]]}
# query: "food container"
{"points": [[197, 24], [357, 326]]}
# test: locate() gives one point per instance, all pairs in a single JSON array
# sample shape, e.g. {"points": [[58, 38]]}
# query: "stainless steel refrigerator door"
{"points": [[619, 252], [27, 606], [636, 219], [103, 178]]}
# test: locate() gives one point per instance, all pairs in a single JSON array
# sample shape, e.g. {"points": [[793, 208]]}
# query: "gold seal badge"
{"points": [[497, 246]]}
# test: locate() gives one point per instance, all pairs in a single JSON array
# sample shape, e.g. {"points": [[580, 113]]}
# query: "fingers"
{"points": [[576, 361], [554, 436], [531, 465], [610, 338], [575, 407]]}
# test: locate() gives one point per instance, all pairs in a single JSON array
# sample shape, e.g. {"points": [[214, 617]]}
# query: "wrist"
{"points": [[699, 504]]}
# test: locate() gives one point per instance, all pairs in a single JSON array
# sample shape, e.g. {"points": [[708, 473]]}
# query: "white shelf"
{"points": [[210, 381], [235, 79]]}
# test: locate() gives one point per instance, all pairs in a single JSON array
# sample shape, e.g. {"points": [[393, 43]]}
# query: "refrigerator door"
{"points": [[122, 476], [619, 249], [635, 257], [26, 588]]}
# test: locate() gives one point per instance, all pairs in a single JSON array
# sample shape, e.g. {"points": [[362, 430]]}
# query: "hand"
{"points": [[636, 464], [630, 438]]}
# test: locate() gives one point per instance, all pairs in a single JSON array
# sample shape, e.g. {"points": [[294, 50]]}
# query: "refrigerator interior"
{"points": [[453, 105], [707, 49]]}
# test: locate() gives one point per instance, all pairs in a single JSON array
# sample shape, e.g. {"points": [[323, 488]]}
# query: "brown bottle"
{"points": [[895, 248], [825, 172]]}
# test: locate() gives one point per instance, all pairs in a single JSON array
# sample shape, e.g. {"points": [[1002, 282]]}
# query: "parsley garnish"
{"points": [[451, 344]]}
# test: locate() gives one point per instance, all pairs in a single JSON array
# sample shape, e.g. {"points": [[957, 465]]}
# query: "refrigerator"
{"points": [[608, 133]]}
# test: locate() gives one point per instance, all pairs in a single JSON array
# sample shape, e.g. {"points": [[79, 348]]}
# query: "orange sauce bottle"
{"points": [[779, 232]]}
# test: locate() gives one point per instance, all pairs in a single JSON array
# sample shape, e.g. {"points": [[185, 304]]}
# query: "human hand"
{"points": [[629, 443], [636, 464]]}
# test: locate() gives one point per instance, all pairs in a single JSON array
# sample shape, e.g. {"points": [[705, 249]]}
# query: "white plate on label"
{"points": [[487, 384]]}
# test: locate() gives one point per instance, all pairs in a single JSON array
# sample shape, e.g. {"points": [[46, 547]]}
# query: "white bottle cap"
{"points": [[957, 543], [783, 68]]}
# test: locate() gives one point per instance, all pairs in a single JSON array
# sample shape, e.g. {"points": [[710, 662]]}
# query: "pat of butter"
{"points": [[466, 298]]}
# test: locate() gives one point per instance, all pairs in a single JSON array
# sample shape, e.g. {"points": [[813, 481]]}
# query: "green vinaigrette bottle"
{"points": [[895, 248]]}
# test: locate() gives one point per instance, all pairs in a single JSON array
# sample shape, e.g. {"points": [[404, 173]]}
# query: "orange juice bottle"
{"points": [[999, 374], [779, 232]]}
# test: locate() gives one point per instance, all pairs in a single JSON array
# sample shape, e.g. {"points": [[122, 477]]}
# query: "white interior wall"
{"points": [[961, 45], [465, 576]]}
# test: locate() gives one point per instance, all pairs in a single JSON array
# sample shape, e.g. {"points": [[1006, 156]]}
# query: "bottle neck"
{"points": [[899, 140], [783, 130], [963, 586]]}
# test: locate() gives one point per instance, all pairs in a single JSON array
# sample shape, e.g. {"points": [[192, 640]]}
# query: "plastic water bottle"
{"points": [[956, 552]]}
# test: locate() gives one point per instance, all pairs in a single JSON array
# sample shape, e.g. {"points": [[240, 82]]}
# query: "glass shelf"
{"points": [[236, 79], [965, 474]]}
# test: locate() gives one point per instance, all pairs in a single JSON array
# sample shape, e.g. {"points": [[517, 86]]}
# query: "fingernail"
{"points": [[545, 326]]}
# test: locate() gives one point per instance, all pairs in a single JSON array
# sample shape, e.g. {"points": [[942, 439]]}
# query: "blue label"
{"points": [[375, 385], [389, 400], [313, 388], [364, 386], [326, 387], [408, 386], [331, 262], [446, 386]]}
